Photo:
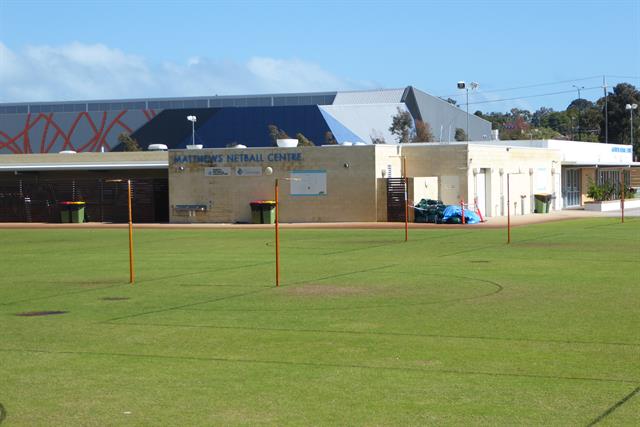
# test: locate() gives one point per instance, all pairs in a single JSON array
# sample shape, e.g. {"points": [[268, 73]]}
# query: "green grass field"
{"points": [[452, 328]]}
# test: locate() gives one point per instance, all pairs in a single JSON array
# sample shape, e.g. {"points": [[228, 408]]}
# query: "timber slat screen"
{"points": [[395, 199], [33, 199]]}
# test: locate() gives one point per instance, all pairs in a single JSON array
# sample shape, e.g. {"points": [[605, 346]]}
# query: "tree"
{"points": [[377, 137], [275, 133], [559, 121], [402, 126], [587, 119], [543, 133], [422, 132], [461, 135], [619, 117], [128, 143], [303, 141], [329, 139], [540, 115], [524, 114]]}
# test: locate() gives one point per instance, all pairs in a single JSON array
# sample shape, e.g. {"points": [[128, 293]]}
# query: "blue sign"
{"points": [[620, 150]]}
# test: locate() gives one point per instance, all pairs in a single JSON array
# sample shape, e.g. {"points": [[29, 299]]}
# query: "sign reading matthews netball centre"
{"points": [[238, 158]]}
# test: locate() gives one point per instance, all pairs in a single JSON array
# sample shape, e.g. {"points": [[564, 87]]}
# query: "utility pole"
{"points": [[579, 109], [606, 111]]}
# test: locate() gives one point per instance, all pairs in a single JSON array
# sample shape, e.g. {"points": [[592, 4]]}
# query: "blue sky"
{"points": [[65, 50]]}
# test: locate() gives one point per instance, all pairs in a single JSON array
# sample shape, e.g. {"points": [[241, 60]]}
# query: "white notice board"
{"points": [[542, 180], [309, 183]]}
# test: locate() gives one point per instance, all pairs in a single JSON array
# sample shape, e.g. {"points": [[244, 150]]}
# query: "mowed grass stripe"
{"points": [[400, 334], [316, 365]]}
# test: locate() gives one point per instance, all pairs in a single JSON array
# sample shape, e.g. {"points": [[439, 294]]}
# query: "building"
{"points": [[348, 181], [337, 183], [356, 117], [318, 184]]}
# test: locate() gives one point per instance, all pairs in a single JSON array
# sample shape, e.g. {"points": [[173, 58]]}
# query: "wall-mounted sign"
{"points": [[620, 149], [309, 183], [542, 180], [217, 171], [249, 171], [238, 158]]}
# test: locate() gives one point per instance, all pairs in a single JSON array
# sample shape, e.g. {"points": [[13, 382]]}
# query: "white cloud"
{"points": [[80, 71]]}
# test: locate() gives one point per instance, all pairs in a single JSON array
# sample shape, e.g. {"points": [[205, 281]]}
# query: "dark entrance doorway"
{"points": [[395, 199]]}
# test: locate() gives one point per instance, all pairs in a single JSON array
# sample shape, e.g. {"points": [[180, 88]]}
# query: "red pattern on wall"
{"points": [[149, 114], [23, 143]]}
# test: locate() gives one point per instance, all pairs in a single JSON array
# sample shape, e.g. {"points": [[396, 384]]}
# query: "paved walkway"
{"points": [[494, 222]]}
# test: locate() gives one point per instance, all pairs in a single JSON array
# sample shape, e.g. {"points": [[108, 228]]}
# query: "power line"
{"points": [[615, 77], [532, 85], [534, 96], [625, 77]]}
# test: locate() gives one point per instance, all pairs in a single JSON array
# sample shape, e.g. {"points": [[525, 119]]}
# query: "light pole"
{"points": [[631, 107], [579, 109], [193, 120], [474, 86]]}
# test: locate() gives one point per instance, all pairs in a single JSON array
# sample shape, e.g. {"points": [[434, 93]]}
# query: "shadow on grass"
{"points": [[615, 406]]}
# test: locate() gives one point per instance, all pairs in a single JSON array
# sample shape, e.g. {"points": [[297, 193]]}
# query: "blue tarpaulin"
{"points": [[454, 211]]}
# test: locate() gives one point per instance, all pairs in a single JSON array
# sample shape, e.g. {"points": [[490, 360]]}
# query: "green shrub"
{"points": [[607, 191]]}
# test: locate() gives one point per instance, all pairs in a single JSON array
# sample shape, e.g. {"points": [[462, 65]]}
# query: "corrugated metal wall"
{"points": [[37, 197]]}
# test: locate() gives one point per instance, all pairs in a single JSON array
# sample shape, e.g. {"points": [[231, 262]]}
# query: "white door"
{"points": [[481, 186]]}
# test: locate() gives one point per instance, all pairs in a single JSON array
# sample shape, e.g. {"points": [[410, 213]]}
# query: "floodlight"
{"points": [[192, 118], [474, 86]]}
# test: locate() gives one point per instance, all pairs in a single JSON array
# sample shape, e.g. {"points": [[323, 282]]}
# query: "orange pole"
{"points": [[277, 237], [475, 203], [131, 279], [406, 210], [406, 200], [462, 211], [508, 213], [622, 195]]}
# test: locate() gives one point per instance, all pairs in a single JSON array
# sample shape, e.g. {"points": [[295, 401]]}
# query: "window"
{"points": [[612, 177]]}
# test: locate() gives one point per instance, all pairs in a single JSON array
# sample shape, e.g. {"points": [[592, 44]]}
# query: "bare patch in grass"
{"points": [[40, 313], [114, 298]]}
